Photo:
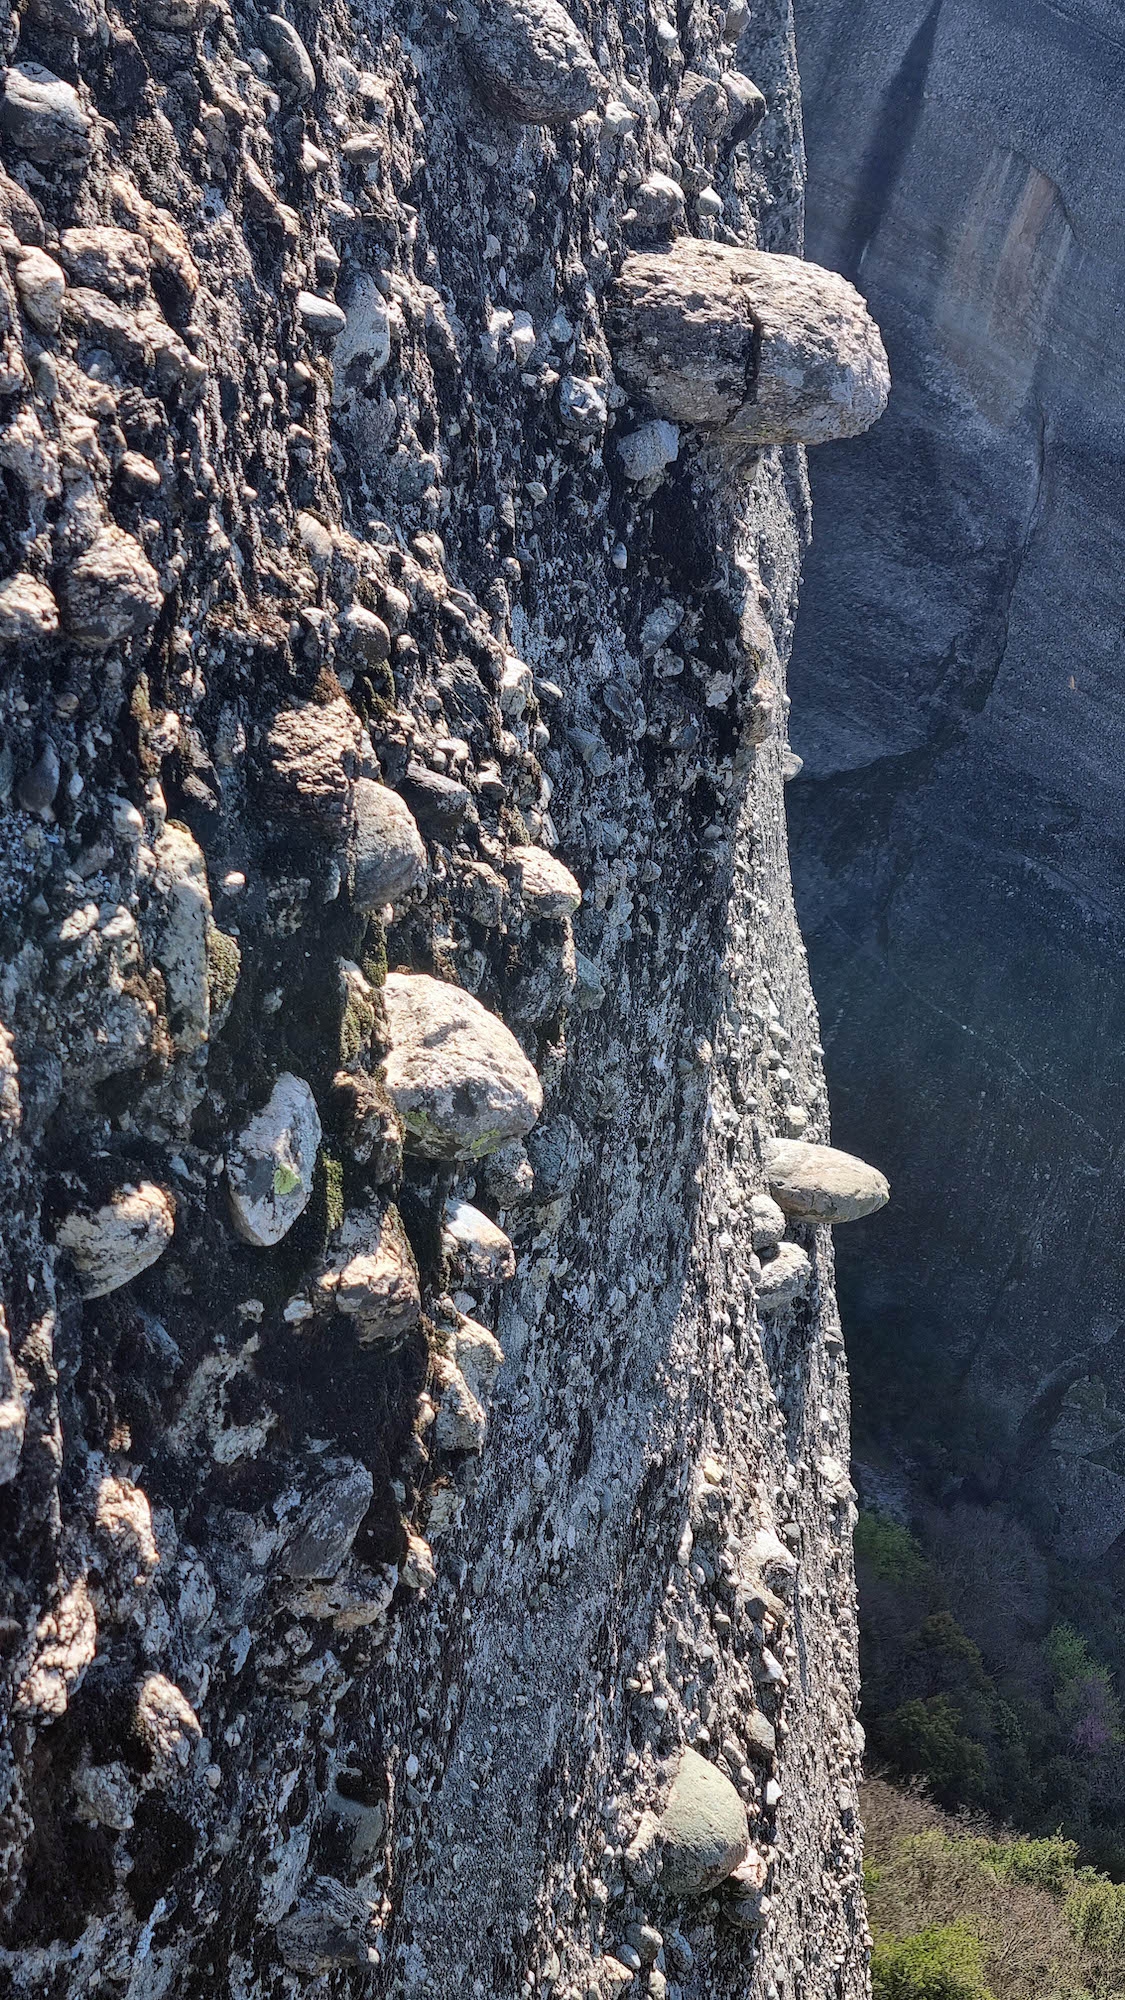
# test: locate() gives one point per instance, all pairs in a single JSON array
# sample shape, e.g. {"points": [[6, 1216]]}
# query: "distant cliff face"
{"points": [[960, 706]]}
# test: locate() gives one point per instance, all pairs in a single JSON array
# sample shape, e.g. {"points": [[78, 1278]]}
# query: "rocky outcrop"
{"points": [[420, 1431]]}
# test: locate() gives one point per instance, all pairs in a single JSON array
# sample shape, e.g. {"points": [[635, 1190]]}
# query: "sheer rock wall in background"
{"points": [[365, 638]]}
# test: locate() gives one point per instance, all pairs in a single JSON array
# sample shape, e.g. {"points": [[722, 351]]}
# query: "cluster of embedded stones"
{"points": [[262, 740]]}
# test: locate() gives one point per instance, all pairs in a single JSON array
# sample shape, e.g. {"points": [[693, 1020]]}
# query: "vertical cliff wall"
{"points": [[419, 1430], [958, 705]]}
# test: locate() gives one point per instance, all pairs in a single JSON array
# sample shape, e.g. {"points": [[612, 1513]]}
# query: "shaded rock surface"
{"points": [[959, 819]]}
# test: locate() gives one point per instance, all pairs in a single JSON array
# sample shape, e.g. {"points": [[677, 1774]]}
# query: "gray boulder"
{"points": [[529, 61], [784, 1277], [43, 116], [457, 1076], [330, 1521], [270, 1171], [702, 1831], [111, 592], [116, 1242], [390, 854], [818, 1184], [763, 348]]}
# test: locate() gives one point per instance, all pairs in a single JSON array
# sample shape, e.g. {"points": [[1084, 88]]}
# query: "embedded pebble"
{"points": [[820, 1184], [288, 53], [702, 1830], [547, 889], [182, 907], [647, 452], [41, 284], [529, 60], [113, 1244], [767, 1222], [377, 1285], [329, 1521], [390, 854], [42, 115], [456, 1075], [40, 783], [784, 1276], [320, 315], [270, 1169], [482, 1245], [111, 592]]}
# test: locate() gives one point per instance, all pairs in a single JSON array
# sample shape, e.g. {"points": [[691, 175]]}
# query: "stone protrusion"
{"points": [[313, 754], [118, 1241], [767, 1222], [479, 1242], [183, 929], [529, 61], [784, 1277], [377, 1285], [111, 592], [270, 1171], [329, 1521], [28, 612], [41, 285], [457, 1076], [547, 890], [13, 1412], [390, 854], [819, 1184], [763, 349], [702, 1831], [43, 116]]}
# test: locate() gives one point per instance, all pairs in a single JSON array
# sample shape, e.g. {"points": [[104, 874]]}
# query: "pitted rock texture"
{"points": [[365, 1579]]}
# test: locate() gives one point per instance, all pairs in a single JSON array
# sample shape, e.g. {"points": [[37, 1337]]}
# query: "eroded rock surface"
{"points": [[393, 890]]}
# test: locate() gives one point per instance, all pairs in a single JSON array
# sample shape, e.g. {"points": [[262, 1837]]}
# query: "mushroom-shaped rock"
{"points": [[43, 116], [547, 889], [390, 854], [457, 1076], [784, 1277], [378, 1281], [479, 1242], [111, 592], [529, 60], [115, 1243], [818, 1184], [329, 1521], [270, 1171], [702, 1830], [760, 348]]}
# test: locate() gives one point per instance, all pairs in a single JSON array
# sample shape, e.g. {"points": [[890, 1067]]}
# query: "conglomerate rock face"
{"points": [[426, 1564]]}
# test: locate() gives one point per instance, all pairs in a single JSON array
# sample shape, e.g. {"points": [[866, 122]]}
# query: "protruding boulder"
{"points": [[118, 1241], [479, 1242], [377, 1284], [647, 451], [28, 611], [480, 1358], [43, 116], [287, 52], [761, 348], [313, 755], [112, 260], [41, 284], [167, 1726], [457, 1076], [329, 1521], [183, 906], [702, 1831], [111, 592], [784, 1277], [819, 1184], [320, 316], [529, 60], [270, 1171], [547, 889], [390, 854], [461, 1421]]}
